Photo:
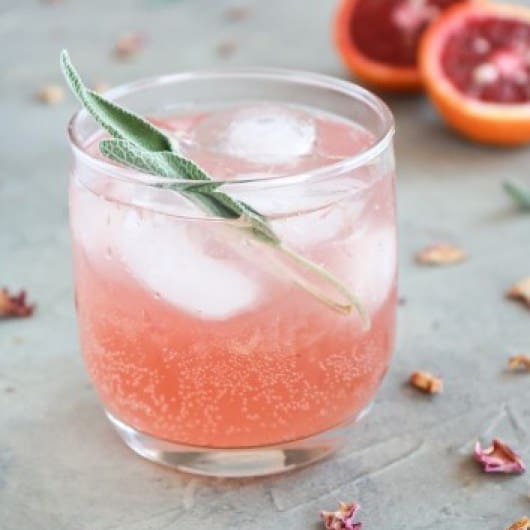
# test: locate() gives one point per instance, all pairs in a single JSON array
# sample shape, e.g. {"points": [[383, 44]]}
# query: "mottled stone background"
{"points": [[61, 465]]}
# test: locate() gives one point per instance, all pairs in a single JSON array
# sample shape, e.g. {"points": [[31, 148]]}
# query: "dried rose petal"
{"points": [[519, 362], [426, 382], [128, 44], [14, 305], [521, 291], [498, 458], [237, 13], [342, 519], [440, 254], [51, 94], [522, 524]]}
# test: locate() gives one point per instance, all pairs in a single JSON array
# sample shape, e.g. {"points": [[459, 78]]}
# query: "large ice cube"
{"points": [[182, 262], [166, 256], [262, 134]]}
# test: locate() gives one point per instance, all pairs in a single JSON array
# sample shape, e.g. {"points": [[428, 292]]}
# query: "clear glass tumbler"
{"points": [[212, 350]]}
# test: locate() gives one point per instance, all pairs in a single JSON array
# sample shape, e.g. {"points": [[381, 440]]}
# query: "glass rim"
{"points": [[356, 92]]}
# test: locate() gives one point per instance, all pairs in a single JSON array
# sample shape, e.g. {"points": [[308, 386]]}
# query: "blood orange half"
{"points": [[378, 39], [475, 61]]}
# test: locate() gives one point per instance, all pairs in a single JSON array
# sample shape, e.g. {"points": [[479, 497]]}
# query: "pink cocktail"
{"points": [[211, 350]]}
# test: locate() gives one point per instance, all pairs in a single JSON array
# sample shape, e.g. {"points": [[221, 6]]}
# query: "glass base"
{"points": [[235, 463]]}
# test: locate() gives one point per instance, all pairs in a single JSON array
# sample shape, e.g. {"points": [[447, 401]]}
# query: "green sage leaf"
{"points": [[519, 194], [161, 162], [258, 223], [117, 121]]}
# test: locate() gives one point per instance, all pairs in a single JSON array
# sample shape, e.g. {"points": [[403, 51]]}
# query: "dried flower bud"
{"points": [[14, 305], [342, 519], [51, 94], [521, 524], [519, 362], [521, 291], [498, 458], [129, 44], [426, 382], [440, 254]]}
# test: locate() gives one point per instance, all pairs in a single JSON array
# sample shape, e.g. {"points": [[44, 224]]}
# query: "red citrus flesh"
{"points": [[378, 39], [389, 31], [488, 59], [475, 61]]}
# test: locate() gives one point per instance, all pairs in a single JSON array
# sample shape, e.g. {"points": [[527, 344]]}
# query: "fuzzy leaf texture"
{"points": [[117, 121]]}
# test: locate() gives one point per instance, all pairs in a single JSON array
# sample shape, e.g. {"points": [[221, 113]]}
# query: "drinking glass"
{"points": [[211, 350]]}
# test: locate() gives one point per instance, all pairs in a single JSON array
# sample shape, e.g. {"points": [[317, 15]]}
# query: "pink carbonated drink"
{"points": [[195, 333]]}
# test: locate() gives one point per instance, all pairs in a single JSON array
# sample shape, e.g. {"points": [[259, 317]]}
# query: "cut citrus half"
{"points": [[475, 62], [378, 39]]}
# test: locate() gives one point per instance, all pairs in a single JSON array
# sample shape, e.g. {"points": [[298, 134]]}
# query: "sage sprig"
{"points": [[519, 194], [138, 144], [202, 190]]}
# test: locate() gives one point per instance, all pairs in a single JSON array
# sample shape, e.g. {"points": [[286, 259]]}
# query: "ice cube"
{"points": [[262, 134], [185, 263], [314, 228], [371, 264], [167, 257]]}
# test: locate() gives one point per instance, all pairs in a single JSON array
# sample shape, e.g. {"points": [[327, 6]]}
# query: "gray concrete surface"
{"points": [[61, 465]]}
